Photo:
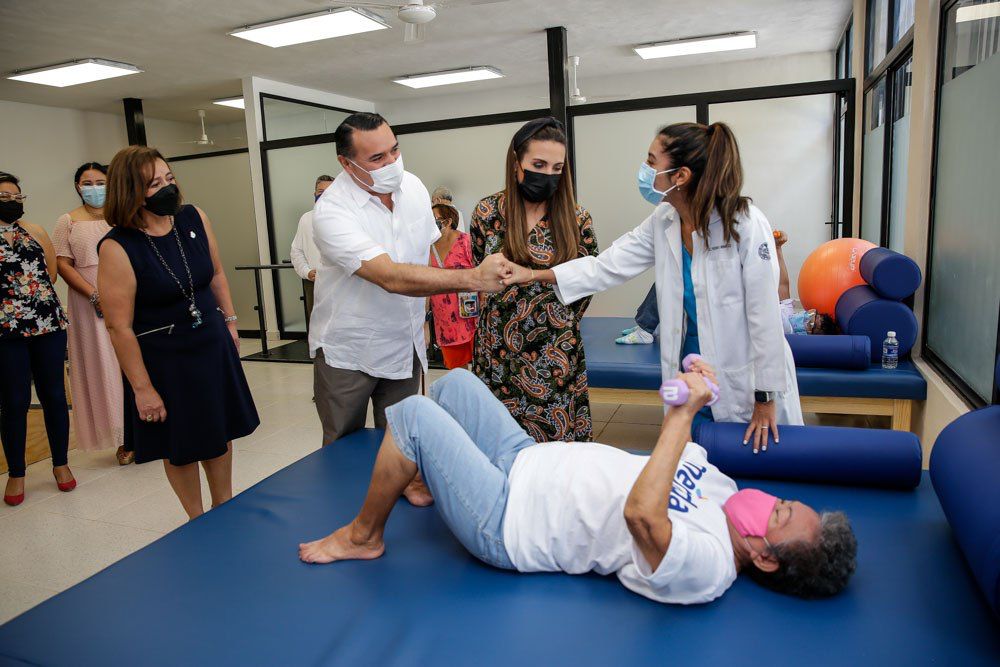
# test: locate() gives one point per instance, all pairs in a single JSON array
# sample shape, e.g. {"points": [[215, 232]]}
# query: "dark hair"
{"points": [[128, 179], [343, 135], [325, 178], [713, 156], [814, 569], [450, 213], [10, 178], [87, 166], [561, 207], [826, 325]]}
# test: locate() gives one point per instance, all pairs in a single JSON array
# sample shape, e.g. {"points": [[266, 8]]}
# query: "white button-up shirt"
{"points": [[304, 253], [357, 324]]}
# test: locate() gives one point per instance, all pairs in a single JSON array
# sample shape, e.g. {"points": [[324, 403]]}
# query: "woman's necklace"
{"points": [[193, 308]]}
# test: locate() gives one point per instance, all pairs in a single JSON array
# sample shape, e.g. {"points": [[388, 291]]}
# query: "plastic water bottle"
{"points": [[890, 351]]}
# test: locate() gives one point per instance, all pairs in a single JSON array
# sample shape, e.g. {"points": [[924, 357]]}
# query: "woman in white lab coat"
{"points": [[716, 276]]}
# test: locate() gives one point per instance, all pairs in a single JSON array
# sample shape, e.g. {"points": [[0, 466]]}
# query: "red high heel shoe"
{"points": [[14, 501], [66, 486]]}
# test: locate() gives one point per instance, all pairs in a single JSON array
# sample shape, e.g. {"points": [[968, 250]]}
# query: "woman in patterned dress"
{"points": [[32, 342], [94, 375], [528, 348]]}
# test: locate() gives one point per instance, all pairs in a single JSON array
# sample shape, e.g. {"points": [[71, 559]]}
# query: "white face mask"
{"points": [[384, 180]]}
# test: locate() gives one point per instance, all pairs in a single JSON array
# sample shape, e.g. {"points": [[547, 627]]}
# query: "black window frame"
{"points": [[890, 67], [957, 383]]}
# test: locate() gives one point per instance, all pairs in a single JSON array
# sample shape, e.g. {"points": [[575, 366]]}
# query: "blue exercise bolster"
{"points": [[843, 352], [893, 275], [965, 470], [819, 454], [861, 312]]}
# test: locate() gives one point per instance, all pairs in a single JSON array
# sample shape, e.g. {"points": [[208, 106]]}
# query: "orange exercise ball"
{"points": [[829, 271]]}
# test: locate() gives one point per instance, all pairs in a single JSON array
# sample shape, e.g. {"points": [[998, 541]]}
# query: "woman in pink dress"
{"points": [[455, 314], [94, 375]]}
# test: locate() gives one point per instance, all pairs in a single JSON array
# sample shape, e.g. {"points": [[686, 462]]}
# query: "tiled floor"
{"points": [[55, 540]]}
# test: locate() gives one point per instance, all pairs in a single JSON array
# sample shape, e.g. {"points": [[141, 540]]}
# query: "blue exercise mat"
{"points": [[227, 589]]}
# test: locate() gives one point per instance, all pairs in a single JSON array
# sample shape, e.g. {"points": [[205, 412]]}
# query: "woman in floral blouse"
{"points": [[32, 341], [528, 348]]}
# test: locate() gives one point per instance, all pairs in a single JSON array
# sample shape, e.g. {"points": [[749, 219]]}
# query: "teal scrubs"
{"points": [[690, 345]]}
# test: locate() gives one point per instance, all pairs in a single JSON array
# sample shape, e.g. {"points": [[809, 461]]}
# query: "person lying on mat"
{"points": [[669, 525], [802, 322]]}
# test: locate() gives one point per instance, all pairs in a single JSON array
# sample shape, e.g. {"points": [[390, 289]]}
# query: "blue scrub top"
{"points": [[690, 345]]}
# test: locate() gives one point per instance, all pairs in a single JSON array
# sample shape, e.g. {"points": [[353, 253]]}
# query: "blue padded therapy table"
{"points": [[227, 589], [631, 374]]}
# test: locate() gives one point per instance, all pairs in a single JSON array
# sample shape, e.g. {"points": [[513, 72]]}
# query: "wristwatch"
{"points": [[763, 396]]}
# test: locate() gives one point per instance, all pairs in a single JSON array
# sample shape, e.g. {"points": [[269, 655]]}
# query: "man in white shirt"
{"points": [[671, 526], [304, 253], [374, 227]]}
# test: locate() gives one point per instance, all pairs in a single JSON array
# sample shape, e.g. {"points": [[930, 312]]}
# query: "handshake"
{"points": [[497, 272]]}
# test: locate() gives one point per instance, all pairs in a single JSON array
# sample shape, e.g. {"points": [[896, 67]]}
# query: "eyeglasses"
{"points": [[8, 196]]}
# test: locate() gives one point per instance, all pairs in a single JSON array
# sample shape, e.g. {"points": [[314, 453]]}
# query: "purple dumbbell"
{"points": [[675, 392]]}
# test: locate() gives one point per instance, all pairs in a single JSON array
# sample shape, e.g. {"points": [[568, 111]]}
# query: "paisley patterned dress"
{"points": [[528, 348]]}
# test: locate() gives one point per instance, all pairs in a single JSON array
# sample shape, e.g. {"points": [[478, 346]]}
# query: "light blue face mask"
{"points": [[645, 178], [93, 195], [802, 322]]}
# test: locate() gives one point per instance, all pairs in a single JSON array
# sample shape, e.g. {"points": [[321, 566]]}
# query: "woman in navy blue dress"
{"points": [[170, 315]]}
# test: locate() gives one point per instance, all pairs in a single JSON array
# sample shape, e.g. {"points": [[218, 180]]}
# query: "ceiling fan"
{"points": [[415, 14], [204, 139], [575, 96]]}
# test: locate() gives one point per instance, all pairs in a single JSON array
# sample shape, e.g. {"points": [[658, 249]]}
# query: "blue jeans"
{"points": [[464, 442], [648, 315]]}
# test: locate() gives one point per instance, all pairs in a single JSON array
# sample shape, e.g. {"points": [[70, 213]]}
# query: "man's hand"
{"points": [[492, 274], [311, 275]]}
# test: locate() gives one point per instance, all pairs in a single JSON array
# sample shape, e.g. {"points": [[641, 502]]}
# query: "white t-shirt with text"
{"points": [[565, 512]]}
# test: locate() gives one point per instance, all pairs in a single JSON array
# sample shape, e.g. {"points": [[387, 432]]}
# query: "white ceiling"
{"points": [[188, 59]]}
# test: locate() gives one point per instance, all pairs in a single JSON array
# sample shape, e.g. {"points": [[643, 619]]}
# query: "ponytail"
{"points": [[713, 156]]}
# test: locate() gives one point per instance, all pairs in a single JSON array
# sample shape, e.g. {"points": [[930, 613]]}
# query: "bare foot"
{"points": [[338, 545], [417, 492]]}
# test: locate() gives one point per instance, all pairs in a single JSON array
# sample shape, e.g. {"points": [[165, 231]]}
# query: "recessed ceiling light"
{"points": [[988, 10], [234, 102], [74, 72], [451, 76], [685, 47], [312, 27]]}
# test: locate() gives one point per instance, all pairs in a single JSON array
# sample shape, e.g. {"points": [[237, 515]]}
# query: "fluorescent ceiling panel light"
{"points": [[989, 10], [312, 27], [234, 102], [686, 47], [75, 72], [451, 76]]}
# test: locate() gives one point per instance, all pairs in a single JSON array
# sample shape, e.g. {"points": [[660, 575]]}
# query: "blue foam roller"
{"points": [[844, 352], [893, 275], [862, 312], [965, 467], [819, 454]]}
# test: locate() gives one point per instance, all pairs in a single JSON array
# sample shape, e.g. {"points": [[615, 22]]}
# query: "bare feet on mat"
{"points": [[338, 545], [417, 492]]}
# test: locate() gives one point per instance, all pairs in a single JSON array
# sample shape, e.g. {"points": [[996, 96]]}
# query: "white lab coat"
{"points": [[736, 294]]}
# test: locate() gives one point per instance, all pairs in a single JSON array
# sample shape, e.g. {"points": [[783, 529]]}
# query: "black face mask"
{"points": [[538, 187], [164, 201], [11, 211]]}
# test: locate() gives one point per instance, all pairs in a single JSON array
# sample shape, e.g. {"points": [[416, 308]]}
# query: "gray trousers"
{"points": [[342, 396]]}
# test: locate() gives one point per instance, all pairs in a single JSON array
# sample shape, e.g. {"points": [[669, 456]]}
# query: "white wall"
{"points": [[658, 81], [787, 149]]}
